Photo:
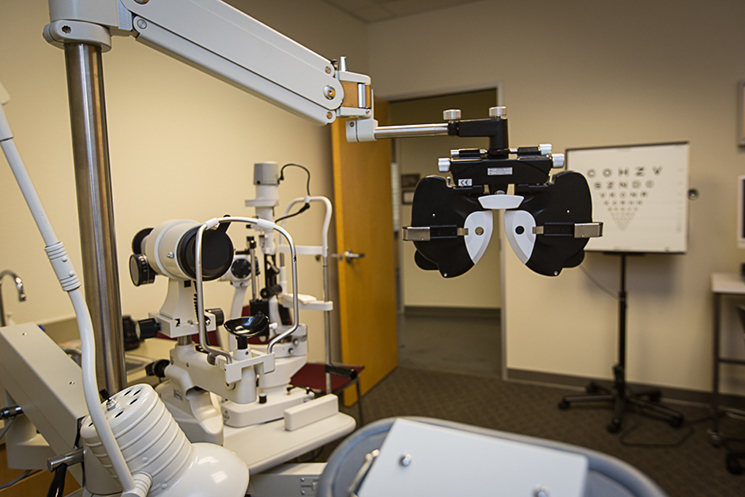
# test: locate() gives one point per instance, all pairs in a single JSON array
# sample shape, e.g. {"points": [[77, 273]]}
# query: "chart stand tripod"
{"points": [[619, 393]]}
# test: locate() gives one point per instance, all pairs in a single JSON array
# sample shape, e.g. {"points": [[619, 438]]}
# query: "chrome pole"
{"points": [[95, 209], [411, 131], [327, 319]]}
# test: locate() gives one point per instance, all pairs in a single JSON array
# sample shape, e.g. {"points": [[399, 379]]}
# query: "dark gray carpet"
{"points": [[691, 468]]}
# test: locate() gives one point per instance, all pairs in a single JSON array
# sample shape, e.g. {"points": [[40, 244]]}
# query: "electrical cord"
{"points": [[305, 206], [598, 284], [689, 425], [282, 174], [8, 424], [57, 488], [23, 476]]}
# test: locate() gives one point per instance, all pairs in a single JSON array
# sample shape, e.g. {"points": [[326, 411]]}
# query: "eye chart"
{"points": [[639, 193]]}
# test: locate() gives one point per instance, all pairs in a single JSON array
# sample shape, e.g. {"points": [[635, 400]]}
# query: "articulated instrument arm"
{"points": [[224, 42]]}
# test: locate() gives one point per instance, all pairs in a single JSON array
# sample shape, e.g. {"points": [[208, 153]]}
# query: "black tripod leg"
{"points": [[571, 399], [588, 398]]}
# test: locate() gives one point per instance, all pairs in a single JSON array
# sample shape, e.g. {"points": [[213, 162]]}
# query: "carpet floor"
{"points": [[682, 461]]}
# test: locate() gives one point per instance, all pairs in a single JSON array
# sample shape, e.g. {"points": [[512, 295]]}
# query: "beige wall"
{"points": [[182, 145], [580, 74], [481, 286], [575, 74]]}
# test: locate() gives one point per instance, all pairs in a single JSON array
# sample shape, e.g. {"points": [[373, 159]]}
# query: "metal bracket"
{"points": [[60, 32], [427, 233], [362, 473], [576, 230]]}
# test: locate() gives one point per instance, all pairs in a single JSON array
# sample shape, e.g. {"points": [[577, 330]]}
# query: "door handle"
{"points": [[347, 256], [350, 256]]}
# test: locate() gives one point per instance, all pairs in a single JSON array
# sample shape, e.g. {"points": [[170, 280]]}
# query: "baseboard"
{"points": [[675, 394], [472, 312]]}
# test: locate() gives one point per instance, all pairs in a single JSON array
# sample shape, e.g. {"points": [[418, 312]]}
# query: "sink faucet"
{"points": [[19, 286]]}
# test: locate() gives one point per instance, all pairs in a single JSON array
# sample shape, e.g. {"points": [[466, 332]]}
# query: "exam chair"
{"points": [[350, 464]]}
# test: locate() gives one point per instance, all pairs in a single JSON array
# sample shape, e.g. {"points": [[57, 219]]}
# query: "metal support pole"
{"points": [[622, 313], [715, 435], [327, 319], [95, 209]]}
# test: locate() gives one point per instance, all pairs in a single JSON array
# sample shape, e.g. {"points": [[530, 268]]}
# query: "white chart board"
{"points": [[639, 193]]}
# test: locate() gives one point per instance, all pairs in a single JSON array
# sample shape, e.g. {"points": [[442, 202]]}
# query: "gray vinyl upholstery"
{"points": [[607, 476]]}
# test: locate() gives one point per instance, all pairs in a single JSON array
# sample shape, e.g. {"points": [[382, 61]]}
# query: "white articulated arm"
{"points": [[224, 42]]}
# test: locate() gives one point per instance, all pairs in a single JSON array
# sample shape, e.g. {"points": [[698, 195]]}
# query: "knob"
{"points": [[138, 239], [443, 164], [270, 291], [157, 368], [219, 315], [241, 268], [498, 112], [148, 328], [451, 115], [140, 271], [558, 161], [545, 148]]}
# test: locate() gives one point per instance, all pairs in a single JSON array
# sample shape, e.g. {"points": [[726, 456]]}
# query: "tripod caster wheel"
{"points": [[715, 439], [733, 465], [563, 405], [614, 426], [676, 422]]}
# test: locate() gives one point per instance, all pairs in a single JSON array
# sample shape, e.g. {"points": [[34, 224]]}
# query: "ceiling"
{"points": [[381, 10]]}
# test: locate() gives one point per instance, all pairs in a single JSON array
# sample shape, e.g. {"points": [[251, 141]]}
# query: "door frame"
{"points": [[448, 90]]}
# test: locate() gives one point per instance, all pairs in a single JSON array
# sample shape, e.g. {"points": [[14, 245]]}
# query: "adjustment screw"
{"points": [[329, 92], [451, 115], [405, 460], [498, 112], [141, 23], [558, 160]]}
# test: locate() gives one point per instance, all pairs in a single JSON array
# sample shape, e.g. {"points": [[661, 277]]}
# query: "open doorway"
{"points": [[448, 324]]}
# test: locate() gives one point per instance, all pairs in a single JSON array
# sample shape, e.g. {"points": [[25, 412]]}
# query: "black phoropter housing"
{"points": [[494, 167], [440, 209]]}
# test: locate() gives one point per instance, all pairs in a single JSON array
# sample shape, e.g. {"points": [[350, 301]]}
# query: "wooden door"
{"points": [[364, 224]]}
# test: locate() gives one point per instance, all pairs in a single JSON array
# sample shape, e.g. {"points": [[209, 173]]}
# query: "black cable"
{"points": [[598, 284], [57, 488], [304, 208], [282, 174], [672, 445]]}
